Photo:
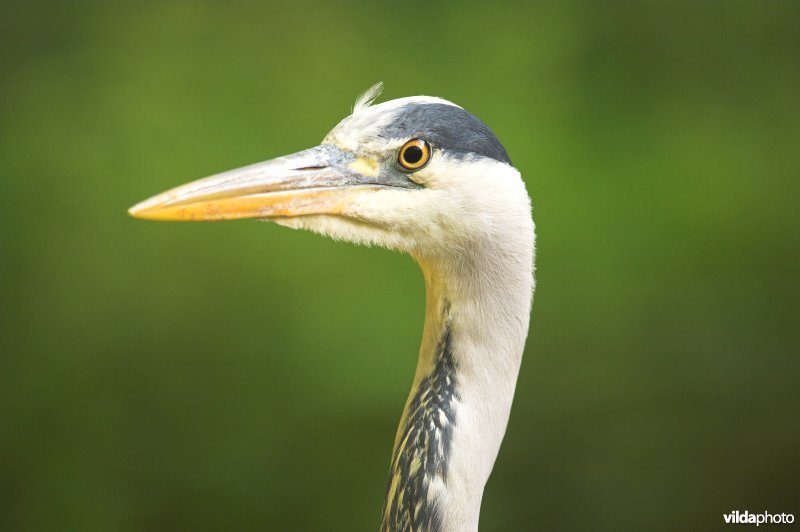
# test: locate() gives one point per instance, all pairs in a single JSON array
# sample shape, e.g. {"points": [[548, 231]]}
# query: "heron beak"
{"points": [[319, 180]]}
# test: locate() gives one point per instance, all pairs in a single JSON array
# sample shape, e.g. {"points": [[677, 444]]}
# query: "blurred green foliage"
{"points": [[242, 376]]}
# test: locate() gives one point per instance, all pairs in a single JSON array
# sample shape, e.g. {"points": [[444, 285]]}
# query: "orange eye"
{"points": [[414, 154]]}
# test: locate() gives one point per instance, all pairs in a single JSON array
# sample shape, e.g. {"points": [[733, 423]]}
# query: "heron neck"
{"points": [[476, 322]]}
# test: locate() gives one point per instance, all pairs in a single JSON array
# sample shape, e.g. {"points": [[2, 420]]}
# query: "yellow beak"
{"points": [[314, 181]]}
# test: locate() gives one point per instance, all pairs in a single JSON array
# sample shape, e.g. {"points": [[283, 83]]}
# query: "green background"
{"points": [[243, 376]]}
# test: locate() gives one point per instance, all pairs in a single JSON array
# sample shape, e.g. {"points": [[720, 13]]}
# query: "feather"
{"points": [[367, 97]]}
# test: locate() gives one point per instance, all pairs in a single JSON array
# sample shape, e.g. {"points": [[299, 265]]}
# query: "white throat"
{"points": [[477, 315]]}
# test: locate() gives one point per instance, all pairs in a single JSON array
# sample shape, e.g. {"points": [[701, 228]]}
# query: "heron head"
{"points": [[417, 174]]}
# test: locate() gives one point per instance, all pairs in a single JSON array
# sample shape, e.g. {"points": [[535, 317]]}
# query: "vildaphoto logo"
{"points": [[766, 518]]}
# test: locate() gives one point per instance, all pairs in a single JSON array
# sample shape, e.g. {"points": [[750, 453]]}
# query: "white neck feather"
{"points": [[483, 300], [490, 317]]}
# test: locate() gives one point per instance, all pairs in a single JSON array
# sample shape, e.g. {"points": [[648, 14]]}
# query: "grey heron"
{"points": [[423, 176]]}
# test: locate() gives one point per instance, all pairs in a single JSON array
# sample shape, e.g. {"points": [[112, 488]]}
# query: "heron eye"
{"points": [[414, 154]]}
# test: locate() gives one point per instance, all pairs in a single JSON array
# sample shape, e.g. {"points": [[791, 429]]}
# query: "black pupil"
{"points": [[413, 154]]}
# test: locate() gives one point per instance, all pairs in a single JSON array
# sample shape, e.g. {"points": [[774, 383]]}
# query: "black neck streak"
{"points": [[423, 446]]}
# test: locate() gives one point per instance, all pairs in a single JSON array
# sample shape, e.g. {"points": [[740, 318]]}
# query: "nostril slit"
{"points": [[311, 167]]}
